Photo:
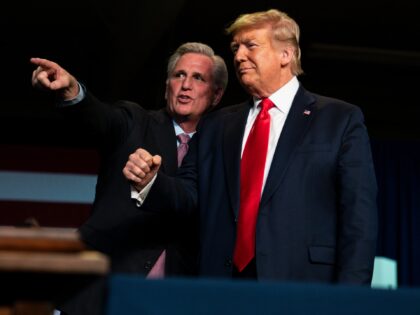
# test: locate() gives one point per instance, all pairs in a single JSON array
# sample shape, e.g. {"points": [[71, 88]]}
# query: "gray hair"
{"points": [[220, 73]]}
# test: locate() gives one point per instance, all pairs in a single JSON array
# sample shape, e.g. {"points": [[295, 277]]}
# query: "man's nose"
{"points": [[240, 54], [186, 83]]}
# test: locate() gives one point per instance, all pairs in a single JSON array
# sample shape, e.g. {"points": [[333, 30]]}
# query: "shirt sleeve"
{"points": [[140, 196], [79, 97]]}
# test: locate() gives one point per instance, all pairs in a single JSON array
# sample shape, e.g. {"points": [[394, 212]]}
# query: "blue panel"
{"points": [[47, 187]]}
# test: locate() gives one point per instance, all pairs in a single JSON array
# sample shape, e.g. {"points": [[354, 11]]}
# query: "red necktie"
{"points": [[252, 175], [158, 270]]}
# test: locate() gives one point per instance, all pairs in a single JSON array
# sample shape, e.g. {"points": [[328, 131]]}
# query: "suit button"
{"points": [[148, 265], [228, 262]]}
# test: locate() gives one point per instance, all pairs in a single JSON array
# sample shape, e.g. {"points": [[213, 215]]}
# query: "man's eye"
{"points": [[198, 77], [179, 75]]}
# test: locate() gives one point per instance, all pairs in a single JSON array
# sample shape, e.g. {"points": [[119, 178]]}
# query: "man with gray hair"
{"points": [[140, 242]]}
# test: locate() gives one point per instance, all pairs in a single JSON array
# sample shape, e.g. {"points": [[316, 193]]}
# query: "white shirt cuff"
{"points": [[140, 196]]}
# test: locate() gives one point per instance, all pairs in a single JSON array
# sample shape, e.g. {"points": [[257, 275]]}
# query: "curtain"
{"points": [[397, 164]]}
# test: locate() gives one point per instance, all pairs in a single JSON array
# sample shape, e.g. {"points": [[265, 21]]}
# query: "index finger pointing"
{"points": [[45, 63]]}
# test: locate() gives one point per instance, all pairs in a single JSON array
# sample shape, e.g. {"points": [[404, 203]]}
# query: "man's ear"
{"points": [[287, 52], [217, 96]]}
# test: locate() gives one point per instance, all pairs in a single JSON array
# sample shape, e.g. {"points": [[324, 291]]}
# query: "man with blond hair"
{"points": [[284, 184]]}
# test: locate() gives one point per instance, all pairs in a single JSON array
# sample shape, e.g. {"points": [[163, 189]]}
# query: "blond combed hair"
{"points": [[284, 28]]}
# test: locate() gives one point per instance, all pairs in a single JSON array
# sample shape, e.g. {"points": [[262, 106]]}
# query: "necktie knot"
{"points": [[266, 104], [183, 138]]}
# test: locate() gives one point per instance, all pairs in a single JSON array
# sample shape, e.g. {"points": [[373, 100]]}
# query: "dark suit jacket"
{"points": [[133, 238], [317, 219]]}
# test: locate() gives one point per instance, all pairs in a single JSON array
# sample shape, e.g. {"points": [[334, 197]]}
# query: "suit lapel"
{"points": [[295, 127], [234, 126], [165, 145]]}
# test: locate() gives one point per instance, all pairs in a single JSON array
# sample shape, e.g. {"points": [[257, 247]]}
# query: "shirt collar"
{"points": [[178, 129], [283, 97]]}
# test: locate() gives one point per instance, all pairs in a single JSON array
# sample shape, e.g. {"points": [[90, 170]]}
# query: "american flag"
{"points": [[307, 112]]}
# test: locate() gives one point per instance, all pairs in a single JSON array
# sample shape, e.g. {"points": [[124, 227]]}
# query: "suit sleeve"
{"points": [[177, 194], [105, 124], [357, 217]]}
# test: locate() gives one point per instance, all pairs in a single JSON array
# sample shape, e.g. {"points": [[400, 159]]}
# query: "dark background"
{"points": [[365, 52]]}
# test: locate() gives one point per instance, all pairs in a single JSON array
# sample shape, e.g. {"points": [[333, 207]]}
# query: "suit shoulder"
{"points": [[327, 103], [225, 111], [137, 111], [131, 107]]}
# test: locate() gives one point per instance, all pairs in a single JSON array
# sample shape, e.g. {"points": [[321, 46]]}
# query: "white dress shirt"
{"points": [[282, 100]]}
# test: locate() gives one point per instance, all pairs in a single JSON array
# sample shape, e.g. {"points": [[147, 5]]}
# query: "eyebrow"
{"points": [[202, 74], [243, 40]]}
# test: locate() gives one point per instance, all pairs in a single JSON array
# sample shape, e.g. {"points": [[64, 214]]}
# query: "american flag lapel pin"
{"points": [[306, 112]]}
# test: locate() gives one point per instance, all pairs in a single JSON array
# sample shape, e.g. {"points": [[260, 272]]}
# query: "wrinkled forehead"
{"points": [[194, 60]]}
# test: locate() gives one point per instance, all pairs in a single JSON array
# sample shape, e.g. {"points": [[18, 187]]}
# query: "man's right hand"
{"points": [[141, 168], [50, 76]]}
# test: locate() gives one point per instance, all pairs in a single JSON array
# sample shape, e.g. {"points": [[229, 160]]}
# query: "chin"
{"points": [[247, 84], [182, 107], [246, 79], [181, 112]]}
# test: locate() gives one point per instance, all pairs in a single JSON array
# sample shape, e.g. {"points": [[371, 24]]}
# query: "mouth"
{"points": [[183, 99], [244, 70]]}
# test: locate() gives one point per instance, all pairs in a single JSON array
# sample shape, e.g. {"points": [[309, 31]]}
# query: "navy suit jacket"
{"points": [[317, 219]]}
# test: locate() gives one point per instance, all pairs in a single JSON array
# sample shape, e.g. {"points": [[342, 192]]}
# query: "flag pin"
{"points": [[306, 112]]}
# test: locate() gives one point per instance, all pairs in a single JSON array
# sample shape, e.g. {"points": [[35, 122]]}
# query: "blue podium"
{"points": [[131, 295]]}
